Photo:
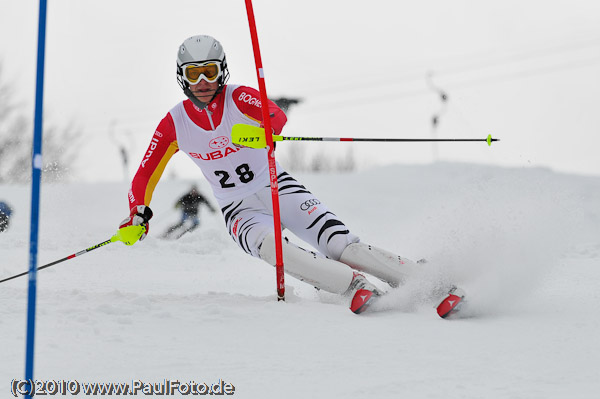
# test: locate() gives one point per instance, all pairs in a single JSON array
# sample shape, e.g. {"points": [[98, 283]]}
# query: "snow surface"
{"points": [[524, 243]]}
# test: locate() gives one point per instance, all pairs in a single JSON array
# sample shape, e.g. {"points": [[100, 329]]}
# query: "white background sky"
{"points": [[525, 71]]}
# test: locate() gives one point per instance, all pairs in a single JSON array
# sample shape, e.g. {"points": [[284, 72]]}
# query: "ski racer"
{"points": [[200, 127]]}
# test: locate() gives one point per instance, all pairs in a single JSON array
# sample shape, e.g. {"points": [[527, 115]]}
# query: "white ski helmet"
{"points": [[201, 49]]}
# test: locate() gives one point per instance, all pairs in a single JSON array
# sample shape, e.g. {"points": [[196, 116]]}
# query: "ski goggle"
{"points": [[192, 72]]}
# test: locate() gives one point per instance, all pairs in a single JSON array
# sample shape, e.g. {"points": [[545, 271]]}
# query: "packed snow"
{"points": [[524, 243]]}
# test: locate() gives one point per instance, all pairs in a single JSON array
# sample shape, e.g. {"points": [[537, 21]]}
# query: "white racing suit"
{"points": [[250, 224]]}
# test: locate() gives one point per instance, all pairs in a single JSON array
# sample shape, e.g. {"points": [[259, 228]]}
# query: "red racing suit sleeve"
{"points": [[248, 102], [162, 147]]}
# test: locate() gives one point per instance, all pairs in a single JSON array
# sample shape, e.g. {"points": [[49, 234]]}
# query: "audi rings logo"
{"points": [[305, 206], [218, 142]]}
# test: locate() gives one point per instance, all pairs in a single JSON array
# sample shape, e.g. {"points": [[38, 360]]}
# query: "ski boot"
{"points": [[364, 293]]}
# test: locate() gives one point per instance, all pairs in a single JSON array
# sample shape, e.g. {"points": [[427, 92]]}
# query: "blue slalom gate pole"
{"points": [[36, 166]]}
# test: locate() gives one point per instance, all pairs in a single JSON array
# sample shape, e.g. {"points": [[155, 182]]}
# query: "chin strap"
{"points": [[194, 99]]}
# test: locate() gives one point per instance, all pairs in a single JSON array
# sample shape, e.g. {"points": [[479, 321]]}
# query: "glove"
{"points": [[136, 226]]}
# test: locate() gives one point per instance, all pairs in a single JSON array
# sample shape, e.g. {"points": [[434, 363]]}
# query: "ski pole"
{"points": [[254, 137], [124, 236]]}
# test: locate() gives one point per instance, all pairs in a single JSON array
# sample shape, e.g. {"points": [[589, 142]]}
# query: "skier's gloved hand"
{"points": [[136, 226]]}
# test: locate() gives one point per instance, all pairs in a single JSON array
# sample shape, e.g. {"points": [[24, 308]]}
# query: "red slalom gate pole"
{"points": [[271, 153]]}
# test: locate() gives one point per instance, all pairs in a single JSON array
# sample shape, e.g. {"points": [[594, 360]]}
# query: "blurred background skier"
{"points": [[190, 205], [5, 212]]}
